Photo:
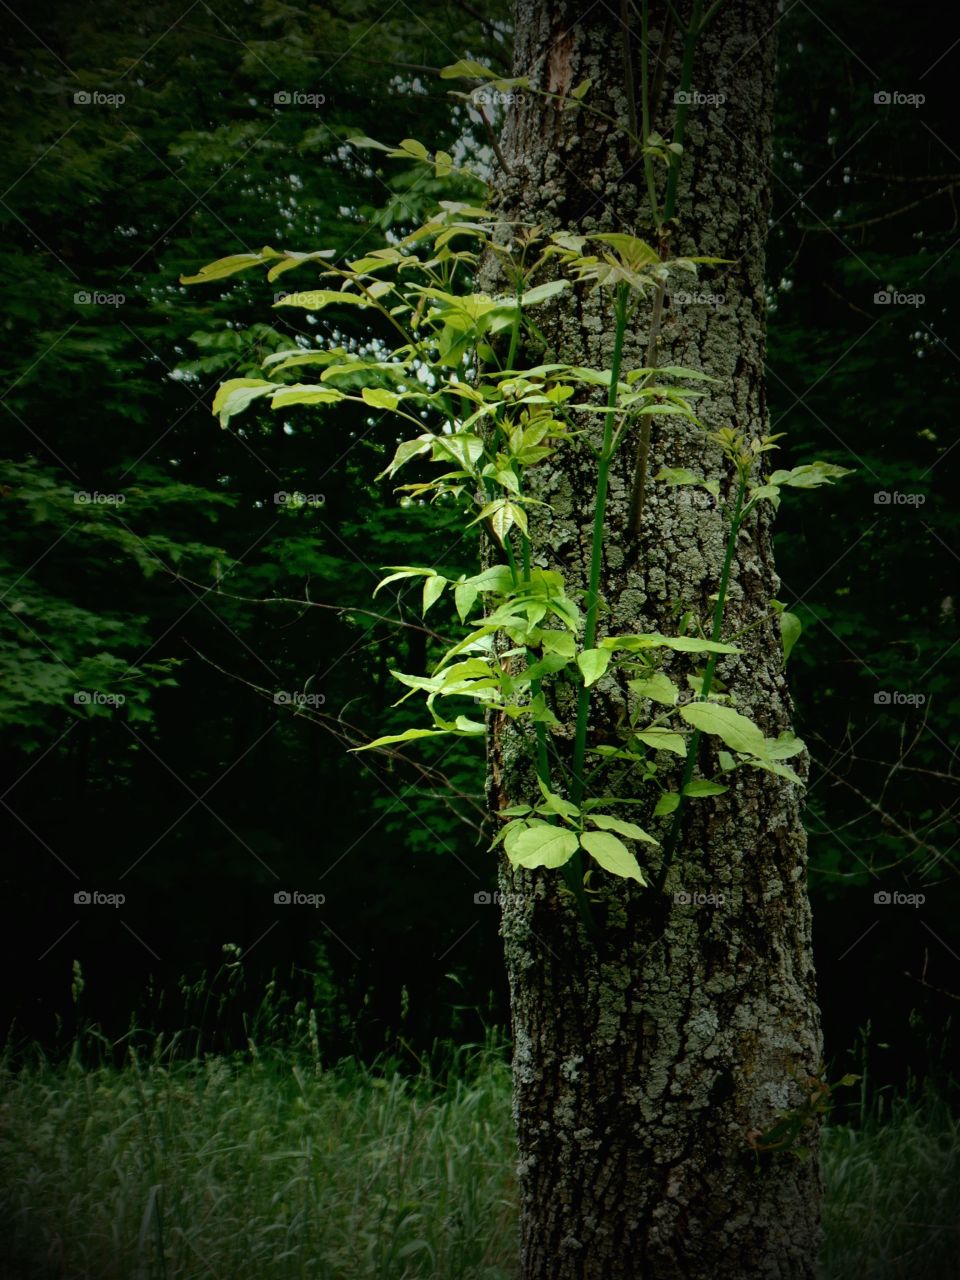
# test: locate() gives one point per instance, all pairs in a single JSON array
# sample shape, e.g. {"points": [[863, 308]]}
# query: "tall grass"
{"points": [[268, 1165], [892, 1206], [226, 1169]]}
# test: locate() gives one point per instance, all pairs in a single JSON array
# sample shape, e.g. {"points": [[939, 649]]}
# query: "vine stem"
{"points": [[596, 551], [645, 109], [706, 686], [691, 35], [572, 871], [683, 106]]}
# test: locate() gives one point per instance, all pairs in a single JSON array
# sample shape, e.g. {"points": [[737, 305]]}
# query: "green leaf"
{"points": [[703, 787], [613, 855], [229, 266], [464, 596], [581, 90], [633, 251], [379, 398], [593, 663], [557, 804], [543, 292], [654, 640], [790, 629], [781, 770], [305, 393], [406, 450], [503, 515], [291, 259], [562, 643], [664, 740], [677, 475], [733, 729], [234, 395], [361, 140], [628, 829], [407, 736], [464, 68], [667, 803], [541, 844], [402, 571], [432, 591], [317, 299], [810, 476], [414, 148], [783, 747], [289, 359], [657, 687]]}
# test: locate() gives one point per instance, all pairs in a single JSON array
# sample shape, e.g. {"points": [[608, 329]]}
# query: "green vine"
{"points": [[529, 640]]}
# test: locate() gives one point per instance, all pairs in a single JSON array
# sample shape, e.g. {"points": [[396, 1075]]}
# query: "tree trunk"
{"points": [[643, 1061]]}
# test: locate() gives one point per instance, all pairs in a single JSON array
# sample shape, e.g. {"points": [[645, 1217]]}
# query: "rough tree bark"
{"points": [[642, 1062]]}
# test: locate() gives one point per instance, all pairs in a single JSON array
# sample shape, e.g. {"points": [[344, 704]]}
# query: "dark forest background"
{"points": [[223, 778]]}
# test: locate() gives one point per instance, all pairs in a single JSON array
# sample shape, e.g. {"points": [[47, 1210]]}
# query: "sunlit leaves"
{"points": [[593, 663], [540, 844], [234, 395]]}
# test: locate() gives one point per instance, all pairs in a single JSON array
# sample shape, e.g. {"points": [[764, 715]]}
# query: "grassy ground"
{"points": [[232, 1169]]}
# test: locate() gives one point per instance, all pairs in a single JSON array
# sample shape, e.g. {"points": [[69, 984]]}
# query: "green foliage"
{"points": [[487, 423]]}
